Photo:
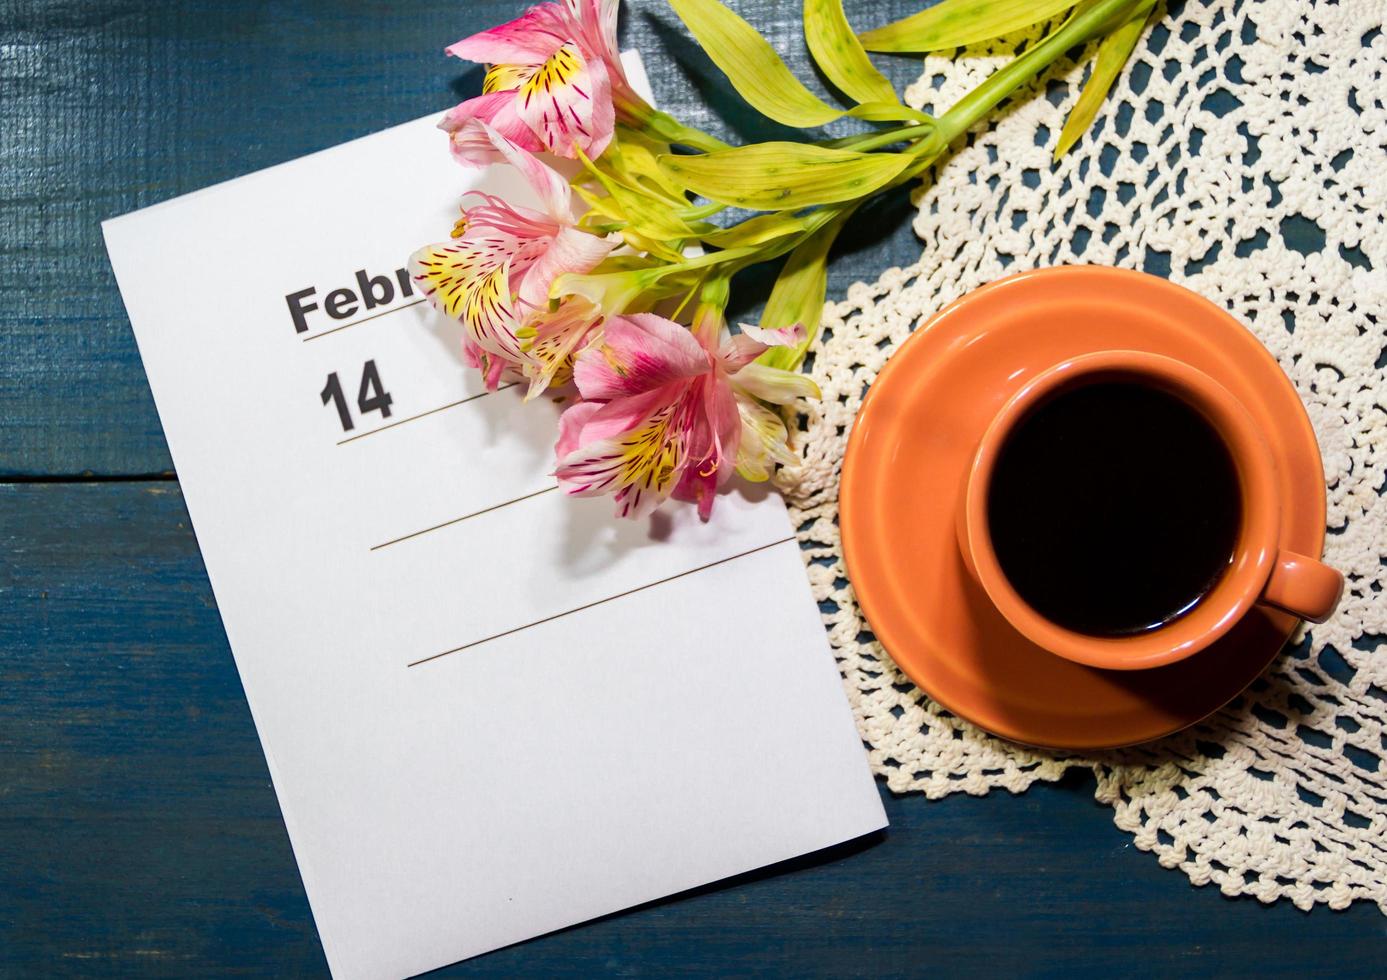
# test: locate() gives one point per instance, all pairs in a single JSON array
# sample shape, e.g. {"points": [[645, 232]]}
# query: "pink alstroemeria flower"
{"points": [[555, 82], [668, 412], [496, 272]]}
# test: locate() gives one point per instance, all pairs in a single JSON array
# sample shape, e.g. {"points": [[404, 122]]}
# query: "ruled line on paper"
{"points": [[464, 517], [432, 411], [598, 602], [344, 326]]}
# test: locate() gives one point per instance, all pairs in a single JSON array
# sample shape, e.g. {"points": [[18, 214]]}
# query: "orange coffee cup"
{"points": [[1260, 571]]}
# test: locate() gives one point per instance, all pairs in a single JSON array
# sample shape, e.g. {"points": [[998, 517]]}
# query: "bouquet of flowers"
{"points": [[623, 305]]}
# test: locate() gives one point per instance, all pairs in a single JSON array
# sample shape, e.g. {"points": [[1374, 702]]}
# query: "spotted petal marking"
{"points": [[506, 78], [470, 281], [639, 467], [552, 338], [567, 103]]}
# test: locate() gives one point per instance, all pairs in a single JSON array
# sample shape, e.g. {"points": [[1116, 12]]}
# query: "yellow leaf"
{"points": [[799, 291], [756, 231], [954, 23], [841, 56], [781, 176], [752, 65], [1113, 53]]}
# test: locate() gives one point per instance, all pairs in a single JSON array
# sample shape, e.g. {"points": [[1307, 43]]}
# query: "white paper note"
{"points": [[490, 710]]}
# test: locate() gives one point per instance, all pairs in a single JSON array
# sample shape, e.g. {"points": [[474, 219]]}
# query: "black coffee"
{"points": [[1114, 508]]}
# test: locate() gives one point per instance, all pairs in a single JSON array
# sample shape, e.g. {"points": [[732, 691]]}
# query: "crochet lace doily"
{"points": [[1242, 154]]}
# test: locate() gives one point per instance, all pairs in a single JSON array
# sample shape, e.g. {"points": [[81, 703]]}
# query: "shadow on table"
{"points": [[468, 84]]}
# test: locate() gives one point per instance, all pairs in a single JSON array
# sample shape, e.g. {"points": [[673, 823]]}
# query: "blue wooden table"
{"points": [[139, 834]]}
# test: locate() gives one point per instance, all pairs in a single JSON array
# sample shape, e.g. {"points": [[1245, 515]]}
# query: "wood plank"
{"points": [[114, 106], [139, 834]]}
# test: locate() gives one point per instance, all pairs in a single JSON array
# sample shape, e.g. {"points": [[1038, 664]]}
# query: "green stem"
{"points": [[847, 142], [1079, 28], [862, 142], [750, 255], [666, 128], [709, 259], [688, 296], [708, 319]]}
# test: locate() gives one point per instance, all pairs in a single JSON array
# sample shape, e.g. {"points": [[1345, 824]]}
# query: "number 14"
{"points": [[371, 396]]}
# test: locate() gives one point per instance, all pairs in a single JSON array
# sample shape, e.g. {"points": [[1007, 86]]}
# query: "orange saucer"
{"points": [[907, 463]]}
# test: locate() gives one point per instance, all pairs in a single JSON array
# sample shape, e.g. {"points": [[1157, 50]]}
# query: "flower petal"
{"points": [[529, 39], [722, 424], [490, 216], [470, 281], [624, 414], [570, 251], [506, 78], [774, 385], [639, 466], [549, 339], [594, 24], [469, 141], [714, 437], [551, 189], [568, 104], [699, 486], [791, 336], [472, 354], [496, 369], [754, 341], [727, 421], [638, 353], [612, 291], [571, 424], [764, 439], [605, 16], [492, 367], [740, 351]]}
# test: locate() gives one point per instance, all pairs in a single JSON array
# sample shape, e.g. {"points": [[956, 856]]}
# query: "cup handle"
{"points": [[1303, 587]]}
